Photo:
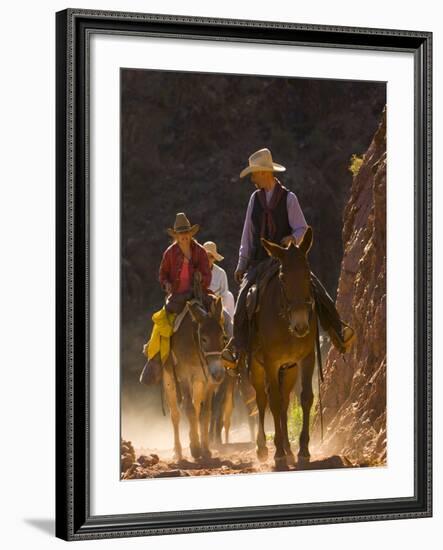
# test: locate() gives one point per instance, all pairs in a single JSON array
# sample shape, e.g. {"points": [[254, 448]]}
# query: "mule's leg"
{"points": [[171, 398], [228, 406], [247, 389], [191, 413], [218, 427], [216, 424], [306, 398], [275, 403], [205, 415], [252, 423], [259, 383], [288, 382]]}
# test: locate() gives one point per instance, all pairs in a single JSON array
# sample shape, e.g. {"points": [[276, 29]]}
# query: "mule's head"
{"points": [[295, 282], [211, 334]]}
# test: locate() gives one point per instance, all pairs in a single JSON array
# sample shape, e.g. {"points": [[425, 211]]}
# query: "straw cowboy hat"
{"points": [[182, 225], [260, 161], [211, 248]]}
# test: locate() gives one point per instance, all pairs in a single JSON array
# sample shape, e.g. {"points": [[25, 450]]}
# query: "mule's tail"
{"points": [[162, 396]]}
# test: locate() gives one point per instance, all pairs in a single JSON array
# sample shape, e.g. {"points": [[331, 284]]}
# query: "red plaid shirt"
{"points": [[172, 262]]}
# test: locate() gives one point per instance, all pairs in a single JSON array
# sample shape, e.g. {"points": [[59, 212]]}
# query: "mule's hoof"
{"points": [[281, 464], [206, 453], [195, 451], [303, 458], [178, 456], [290, 459], [262, 454]]}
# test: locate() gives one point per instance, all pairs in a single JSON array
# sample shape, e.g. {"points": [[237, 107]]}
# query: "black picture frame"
{"points": [[73, 518]]}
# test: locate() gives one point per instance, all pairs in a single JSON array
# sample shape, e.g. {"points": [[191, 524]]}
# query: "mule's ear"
{"points": [[197, 313], [306, 242], [273, 249], [218, 308]]}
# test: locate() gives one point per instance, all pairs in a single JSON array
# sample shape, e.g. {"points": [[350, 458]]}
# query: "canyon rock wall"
{"points": [[354, 388]]}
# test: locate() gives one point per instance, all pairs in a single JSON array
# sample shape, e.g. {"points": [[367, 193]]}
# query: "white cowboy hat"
{"points": [[182, 225], [261, 160], [211, 248]]}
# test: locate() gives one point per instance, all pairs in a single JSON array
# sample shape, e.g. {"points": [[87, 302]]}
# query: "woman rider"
{"points": [[184, 266]]}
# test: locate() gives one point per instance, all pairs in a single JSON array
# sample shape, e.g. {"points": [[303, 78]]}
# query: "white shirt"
{"points": [[219, 286], [295, 217]]}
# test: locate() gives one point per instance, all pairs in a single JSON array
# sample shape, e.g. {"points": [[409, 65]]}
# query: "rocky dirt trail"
{"points": [[233, 458]]}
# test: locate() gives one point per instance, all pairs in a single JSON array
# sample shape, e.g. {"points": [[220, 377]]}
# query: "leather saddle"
{"points": [[266, 270], [178, 320]]}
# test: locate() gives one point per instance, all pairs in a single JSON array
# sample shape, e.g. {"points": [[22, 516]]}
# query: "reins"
{"points": [[203, 362], [203, 355], [286, 303]]}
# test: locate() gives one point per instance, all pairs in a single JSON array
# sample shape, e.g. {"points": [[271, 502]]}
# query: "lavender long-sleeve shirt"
{"points": [[296, 221]]}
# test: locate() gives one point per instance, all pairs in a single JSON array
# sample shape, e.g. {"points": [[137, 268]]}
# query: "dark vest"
{"points": [[282, 227]]}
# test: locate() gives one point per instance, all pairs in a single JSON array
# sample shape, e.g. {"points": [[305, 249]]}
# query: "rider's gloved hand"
{"points": [[286, 241], [168, 288]]}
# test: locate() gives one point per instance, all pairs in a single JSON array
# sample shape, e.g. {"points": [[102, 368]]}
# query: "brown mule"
{"points": [[197, 347], [285, 332], [223, 406]]}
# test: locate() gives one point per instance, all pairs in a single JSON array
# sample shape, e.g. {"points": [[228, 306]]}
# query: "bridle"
{"points": [[204, 354], [287, 305]]}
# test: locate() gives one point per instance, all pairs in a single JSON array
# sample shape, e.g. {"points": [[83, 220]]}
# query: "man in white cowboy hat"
{"points": [[219, 279], [274, 213]]}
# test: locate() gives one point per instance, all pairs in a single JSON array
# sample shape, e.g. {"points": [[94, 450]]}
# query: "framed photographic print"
{"points": [[243, 274]]}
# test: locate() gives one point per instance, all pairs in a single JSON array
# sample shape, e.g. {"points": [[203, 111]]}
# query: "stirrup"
{"points": [[229, 359], [229, 356]]}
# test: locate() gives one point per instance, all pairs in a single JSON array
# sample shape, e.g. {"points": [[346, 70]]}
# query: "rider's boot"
{"points": [[236, 347], [343, 341]]}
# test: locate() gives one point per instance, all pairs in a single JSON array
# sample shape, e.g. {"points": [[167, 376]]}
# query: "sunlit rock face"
{"points": [[354, 389]]}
